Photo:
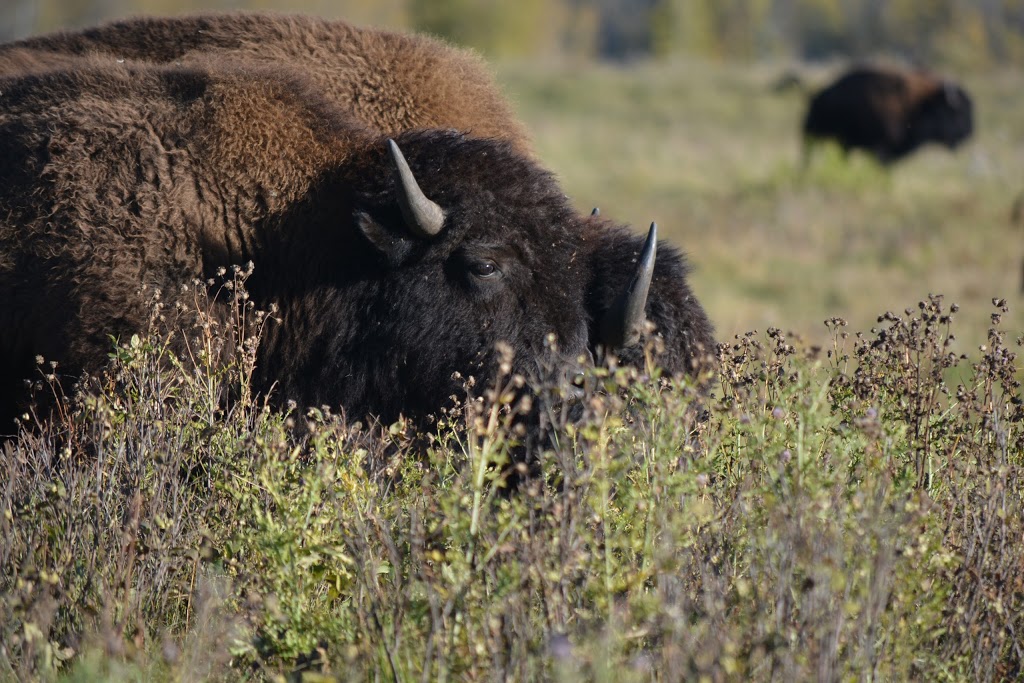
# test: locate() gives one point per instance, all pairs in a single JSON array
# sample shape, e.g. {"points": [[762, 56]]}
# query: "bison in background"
{"points": [[888, 112]]}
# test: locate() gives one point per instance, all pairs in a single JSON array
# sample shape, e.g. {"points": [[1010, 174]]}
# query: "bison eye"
{"points": [[485, 269]]}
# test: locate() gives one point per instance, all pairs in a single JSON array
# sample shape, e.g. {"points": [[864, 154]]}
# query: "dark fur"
{"points": [[889, 112], [115, 175]]}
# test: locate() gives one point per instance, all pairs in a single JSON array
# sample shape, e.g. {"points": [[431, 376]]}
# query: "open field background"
{"points": [[711, 153]]}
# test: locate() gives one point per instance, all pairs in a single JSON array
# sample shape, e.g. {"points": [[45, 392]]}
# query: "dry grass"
{"points": [[813, 516]]}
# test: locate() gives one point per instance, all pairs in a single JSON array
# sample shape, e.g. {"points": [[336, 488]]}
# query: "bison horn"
{"points": [[596, 212], [622, 323], [423, 217], [949, 92]]}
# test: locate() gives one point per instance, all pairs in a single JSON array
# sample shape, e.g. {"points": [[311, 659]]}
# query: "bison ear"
{"points": [[393, 246]]}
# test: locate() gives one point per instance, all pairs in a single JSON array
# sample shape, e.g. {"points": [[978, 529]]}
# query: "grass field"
{"points": [[848, 512], [711, 153]]}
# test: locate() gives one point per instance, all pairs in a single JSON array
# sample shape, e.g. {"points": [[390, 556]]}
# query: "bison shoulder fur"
{"points": [[388, 80]]}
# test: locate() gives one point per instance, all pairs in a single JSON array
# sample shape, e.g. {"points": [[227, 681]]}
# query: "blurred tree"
{"points": [[917, 23], [17, 18], [499, 28], [722, 28], [819, 30], [866, 25], [625, 28], [48, 15], [580, 31], [690, 26], [964, 32]]}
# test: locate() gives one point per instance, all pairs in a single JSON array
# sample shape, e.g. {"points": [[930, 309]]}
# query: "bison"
{"points": [[888, 112], [393, 262], [390, 82], [387, 83]]}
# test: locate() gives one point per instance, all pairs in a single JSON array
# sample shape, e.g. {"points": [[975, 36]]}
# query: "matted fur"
{"points": [[391, 81]]}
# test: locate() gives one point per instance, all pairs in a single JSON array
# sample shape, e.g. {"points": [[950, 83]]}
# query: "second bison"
{"points": [[889, 112]]}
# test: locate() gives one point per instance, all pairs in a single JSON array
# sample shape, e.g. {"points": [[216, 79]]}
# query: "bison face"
{"points": [[458, 246], [945, 116]]}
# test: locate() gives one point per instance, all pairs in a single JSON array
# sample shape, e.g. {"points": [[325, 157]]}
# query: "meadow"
{"points": [[712, 153], [841, 499]]}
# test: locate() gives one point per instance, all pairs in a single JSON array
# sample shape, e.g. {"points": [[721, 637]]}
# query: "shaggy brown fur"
{"points": [[390, 81], [116, 177]]}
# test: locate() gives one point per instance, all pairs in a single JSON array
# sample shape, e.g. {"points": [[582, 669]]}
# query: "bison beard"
{"points": [[393, 264]]}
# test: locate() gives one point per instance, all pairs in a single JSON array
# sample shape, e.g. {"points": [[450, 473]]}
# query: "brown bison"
{"points": [[388, 82], [393, 264], [889, 112]]}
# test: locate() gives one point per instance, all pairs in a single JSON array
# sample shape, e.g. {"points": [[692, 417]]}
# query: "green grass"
{"points": [[827, 505], [712, 154], [808, 515]]}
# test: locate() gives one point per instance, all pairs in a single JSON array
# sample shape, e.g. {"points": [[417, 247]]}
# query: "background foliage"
{"points": [[961, 31]]}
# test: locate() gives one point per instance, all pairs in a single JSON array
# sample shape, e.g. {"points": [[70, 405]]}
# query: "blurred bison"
{"points": [[889, 113], [393, 265]]}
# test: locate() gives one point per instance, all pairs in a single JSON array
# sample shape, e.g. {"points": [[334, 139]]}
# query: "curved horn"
{"points": [[423, 217], [596, 212], [622, 323]]}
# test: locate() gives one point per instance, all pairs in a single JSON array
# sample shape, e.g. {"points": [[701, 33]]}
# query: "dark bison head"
{"points": [[458, 245], [944, 116]]}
